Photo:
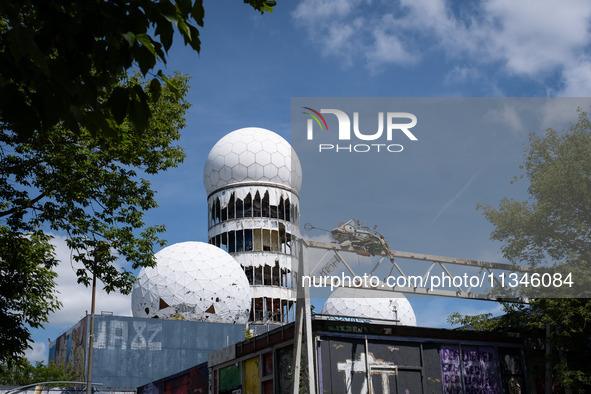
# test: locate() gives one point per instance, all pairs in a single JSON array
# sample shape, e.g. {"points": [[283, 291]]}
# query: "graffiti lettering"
{"points": [[100, 341], [138, 342], [376, 367], [155, 329], [119, 336]]}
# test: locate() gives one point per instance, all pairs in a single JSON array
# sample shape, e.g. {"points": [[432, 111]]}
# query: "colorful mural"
{"points": [[70, 348], [190, 381], [416, 360]]}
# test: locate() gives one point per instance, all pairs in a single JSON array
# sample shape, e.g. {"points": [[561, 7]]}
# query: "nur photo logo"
{"points": [[390, 125]]}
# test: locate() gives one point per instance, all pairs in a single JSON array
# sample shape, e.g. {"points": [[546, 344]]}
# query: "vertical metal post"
{"points": [[297, 351], [91, 338], [548, 377], [308, 322], [303, 316], [367, 368], [299, 324]]}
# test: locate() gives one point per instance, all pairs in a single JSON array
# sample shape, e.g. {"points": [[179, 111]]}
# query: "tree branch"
{"points": [[22, 207]]}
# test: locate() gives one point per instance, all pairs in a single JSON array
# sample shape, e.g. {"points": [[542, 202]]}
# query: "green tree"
{"points": [[89, 187], [552, 229], [76, 135], [60, 60], [25, 373]]}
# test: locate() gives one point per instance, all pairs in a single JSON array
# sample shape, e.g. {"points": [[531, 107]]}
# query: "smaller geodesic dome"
{"points": [[370, 304], [193, 281]]}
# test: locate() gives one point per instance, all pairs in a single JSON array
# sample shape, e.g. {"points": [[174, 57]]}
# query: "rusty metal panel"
{"points": [[252, 376]]}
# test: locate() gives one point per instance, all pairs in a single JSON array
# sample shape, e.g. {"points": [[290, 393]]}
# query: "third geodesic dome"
{"points": [[370, 304]]}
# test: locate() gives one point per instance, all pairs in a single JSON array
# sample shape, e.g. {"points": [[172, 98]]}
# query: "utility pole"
{"points": [[91, 338], [303, 329]]}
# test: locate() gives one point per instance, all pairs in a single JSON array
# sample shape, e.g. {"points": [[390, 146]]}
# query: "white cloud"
{"points": [[461, 75], [37, 353], [534, 36], [314, 11], [577, 79], [508, 116], [75, 297], [531, 38], [387, 49], [339, 28]]}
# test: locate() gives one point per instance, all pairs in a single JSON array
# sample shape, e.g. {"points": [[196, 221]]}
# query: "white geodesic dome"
{"points": [[193, 281], [370, 304], [252, 155]]}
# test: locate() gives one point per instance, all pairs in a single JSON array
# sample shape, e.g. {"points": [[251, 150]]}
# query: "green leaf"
{"points": [[139, 111], [169, 11], [119, 102], [146, 41], [145, 59], [198, 12], [184, 6], [155, 89], [172, 86], [24, 46], [166, 32], [130, 38], [184, 29], [195, 42]]}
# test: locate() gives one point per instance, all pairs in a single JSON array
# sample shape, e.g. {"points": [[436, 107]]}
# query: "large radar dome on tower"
{"points": [[252, 155], [253, 177], [193, 281]]}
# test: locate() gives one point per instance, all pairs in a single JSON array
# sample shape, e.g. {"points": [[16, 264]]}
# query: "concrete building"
{"points": [[365, 357], [129, 352]]}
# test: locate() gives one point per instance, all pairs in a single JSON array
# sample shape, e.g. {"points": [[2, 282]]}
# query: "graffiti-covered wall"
{"points": [[70, 348], [355, 365], [351, 365], [130, 352], [193, 380], [370, 358]]}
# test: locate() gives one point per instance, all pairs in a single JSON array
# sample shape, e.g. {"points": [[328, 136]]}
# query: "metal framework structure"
{"points": [[353, 237]]}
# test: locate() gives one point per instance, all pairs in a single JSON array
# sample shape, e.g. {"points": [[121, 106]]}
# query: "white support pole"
{"points": [[297, 347], [308, 331], [303, 316], [299, 324]]}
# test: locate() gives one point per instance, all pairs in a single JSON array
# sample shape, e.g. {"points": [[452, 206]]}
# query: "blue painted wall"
{"points": [[129, 352]]}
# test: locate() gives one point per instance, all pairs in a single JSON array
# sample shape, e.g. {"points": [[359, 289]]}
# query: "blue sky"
{"points": [[251, 66]]}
